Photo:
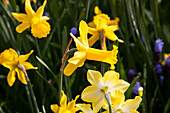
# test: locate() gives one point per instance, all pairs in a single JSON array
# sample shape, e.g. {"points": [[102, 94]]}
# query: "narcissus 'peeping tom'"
{"points": [[100, 86], [85, 52], [10, 59], [64, 108], [38, 23]]}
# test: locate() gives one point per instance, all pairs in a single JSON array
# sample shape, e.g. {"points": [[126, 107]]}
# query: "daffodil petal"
{"points": [[117, 97], [133, 104], [21, 76], [28, 8], [92, 94], [94, 77], [91, 24], [54, 108], [20, 28], [98, 104], [97, 11], [23, 58], [78, 56], [86, 108], [93, 39], [111, 77], [92, 31], [45, 18], [11, 77], [83, 29], [63, 101], [122, 86], [71, 105], [40, 10], [114, 22], [28, 66], [21, 17]]}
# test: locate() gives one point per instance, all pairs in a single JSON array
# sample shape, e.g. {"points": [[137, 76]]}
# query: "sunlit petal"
{"points": [[21, 17], [21, 76], [20, 28], [23, 58], [11, 77], [40, 10], [28, 8], [93, 39], [28, 66], [94, 77], [63, 101], [54, 108], [78, 56]]}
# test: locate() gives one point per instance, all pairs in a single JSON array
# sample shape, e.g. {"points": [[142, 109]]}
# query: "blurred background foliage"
{"points": [[141, 23]]}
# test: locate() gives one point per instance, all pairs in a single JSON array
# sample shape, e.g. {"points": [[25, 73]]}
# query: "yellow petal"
{"points": [[40, 10], [91, 24], [133, 104], [11, 77], [83, 28], [21, 76], [28, 8], [94, 77], [28, 66], [86, 108], [117, 97], [92, 31], [45, 18], [111, 77], [63, 101], [122, 86], [93, 39], [23, 58], [98, 104], [97, 10], [78, 56], [41, 29], [114, 22], [71, 105], [79, 45], [54, 108], [103, 56], [70, 68], [92, 94], [20, 28], [21, 17]]}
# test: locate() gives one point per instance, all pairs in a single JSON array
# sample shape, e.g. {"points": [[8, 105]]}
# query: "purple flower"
{"points": [[135, 89], [167, 62], [131, 75], [73, 30], [158, 45], [46, 14], [158, 69], [161, 80]]}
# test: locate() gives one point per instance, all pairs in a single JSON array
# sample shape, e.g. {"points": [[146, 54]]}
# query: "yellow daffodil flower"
{"points": [[86, 108], [102, 25], [100, 86], [38, 23], [6, 2], [35, 1], [10, 59], [64, 108], [85, 52], [119, 105]]}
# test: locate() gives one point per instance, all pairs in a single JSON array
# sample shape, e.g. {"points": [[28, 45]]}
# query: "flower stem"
{"points": [[107, 96], [29, 88], [60, 84]]}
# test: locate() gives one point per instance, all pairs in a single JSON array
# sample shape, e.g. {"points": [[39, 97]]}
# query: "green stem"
{"points": [[87, 11], [107, 97], [60, 84]]}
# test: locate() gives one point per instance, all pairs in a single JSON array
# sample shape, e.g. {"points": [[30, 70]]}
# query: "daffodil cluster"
{"points": [[106, 91]]}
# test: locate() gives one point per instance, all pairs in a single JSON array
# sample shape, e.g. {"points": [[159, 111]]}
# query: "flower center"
{"points": [[105, 89], [34, 20], [67, 111]]}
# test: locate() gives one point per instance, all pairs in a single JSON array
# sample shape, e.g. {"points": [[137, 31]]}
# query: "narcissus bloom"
{"points": [[10, 59], [119, 105], [64, 108], [38, 23], [102, 25], [85, 52], [100, 86]]}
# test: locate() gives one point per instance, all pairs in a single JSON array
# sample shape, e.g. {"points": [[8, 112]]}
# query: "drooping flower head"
{"points": [[119, 105], [85, 52], [100, 86], [102, 25], [64, 108], [10, 59], [158, 45], [38, 23]]}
